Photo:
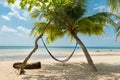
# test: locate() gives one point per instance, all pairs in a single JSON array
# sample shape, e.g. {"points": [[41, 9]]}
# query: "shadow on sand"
{"points": [[76, 71]]}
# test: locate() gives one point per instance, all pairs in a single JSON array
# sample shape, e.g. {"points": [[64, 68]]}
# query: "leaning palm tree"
{"points": [[68, 17]]}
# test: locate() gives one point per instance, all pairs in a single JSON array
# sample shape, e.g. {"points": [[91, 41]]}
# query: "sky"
{"points": [[16, 24]]}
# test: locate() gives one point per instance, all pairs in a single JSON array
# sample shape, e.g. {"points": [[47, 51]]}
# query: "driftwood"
{"points": [[36, 65]]}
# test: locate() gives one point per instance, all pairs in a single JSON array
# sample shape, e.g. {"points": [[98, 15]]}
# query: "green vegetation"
{"points": [[114, 6], [63, 17]]}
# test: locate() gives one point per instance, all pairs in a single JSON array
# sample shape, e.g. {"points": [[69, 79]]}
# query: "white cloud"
{"points": [[20, 31], [15, 10], [17, 15], [5, 17], [101, 8], [25, 14], [24, 30], [7, 29]]}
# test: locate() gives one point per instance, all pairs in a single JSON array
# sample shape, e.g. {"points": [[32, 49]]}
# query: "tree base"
{"points": [[36, 65]]}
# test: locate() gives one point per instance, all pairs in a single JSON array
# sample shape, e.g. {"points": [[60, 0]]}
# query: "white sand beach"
{"points": [[107, 63]]}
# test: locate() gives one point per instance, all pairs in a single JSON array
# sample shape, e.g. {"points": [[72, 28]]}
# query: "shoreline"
{"points": [[76, 68], [60, 54]]}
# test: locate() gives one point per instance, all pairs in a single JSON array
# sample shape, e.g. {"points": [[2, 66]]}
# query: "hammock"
{"points": [[65, 60]]}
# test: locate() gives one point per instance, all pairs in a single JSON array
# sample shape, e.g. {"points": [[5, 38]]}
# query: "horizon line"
{"points": [[64, 46]]}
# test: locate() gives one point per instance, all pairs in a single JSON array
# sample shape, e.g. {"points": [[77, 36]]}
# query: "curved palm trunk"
{"points": [[88, 57], [34, 49], [28, 57]]}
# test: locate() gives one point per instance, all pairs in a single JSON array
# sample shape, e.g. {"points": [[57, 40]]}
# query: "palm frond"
{"points": [[94, 24], [37, 29], [104, 18], [114, 5], [117, 35], [53, 33], [38, 13], [70, 36], [117, 29], [71, 12], [35, 12], [86, 26]]}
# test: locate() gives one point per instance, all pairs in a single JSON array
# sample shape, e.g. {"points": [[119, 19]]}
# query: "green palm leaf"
{"points": [[118, 35], [37, 29], [71, 14], [52, 32], [86, 26], [114, 5], [104, 18]]}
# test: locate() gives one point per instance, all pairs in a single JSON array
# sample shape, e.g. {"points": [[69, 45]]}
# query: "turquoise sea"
{"points": [[20, 52]]}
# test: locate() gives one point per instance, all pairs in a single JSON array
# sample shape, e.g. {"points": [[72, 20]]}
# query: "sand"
{"points": [[107, 63]]}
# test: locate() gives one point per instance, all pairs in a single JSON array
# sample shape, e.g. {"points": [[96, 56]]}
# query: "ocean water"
{"points": [[20, 52]]}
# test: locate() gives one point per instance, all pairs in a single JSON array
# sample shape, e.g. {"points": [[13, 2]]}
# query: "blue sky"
{"points": [[15, 26]]}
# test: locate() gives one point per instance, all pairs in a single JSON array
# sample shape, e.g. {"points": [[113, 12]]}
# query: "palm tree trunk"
{"points": [[28, 57], [34, 49], [88, 57]]}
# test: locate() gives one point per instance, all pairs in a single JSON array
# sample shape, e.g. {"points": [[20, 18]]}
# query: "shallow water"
{"points": [[20, 52]]}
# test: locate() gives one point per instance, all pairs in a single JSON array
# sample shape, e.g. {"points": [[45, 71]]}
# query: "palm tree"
{"points": [[114, 6], [68, 17]]}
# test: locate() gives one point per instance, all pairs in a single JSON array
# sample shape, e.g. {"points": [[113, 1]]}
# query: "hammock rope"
{"points": [[65, 60]]}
